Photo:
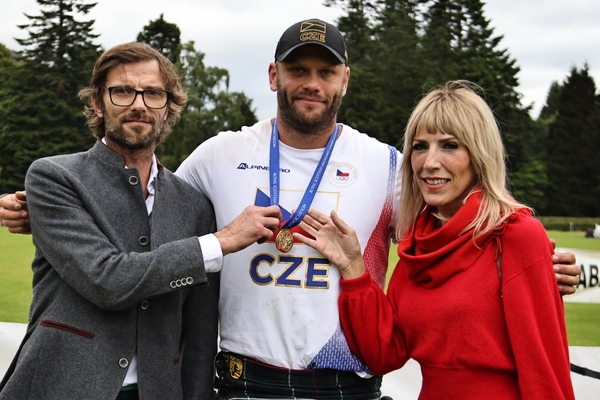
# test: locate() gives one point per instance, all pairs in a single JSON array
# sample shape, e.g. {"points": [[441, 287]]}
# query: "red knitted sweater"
{"points": [[444, 309]]}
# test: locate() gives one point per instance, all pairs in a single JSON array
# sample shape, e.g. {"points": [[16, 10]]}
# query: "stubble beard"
{"points": [[136, 140], [302, 123]]}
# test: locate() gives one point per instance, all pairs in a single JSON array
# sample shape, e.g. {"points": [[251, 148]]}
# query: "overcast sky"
{"points": [[545, 37]]}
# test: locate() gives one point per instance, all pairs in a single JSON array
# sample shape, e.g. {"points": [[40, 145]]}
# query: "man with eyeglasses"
{"points": [[126, 270]]}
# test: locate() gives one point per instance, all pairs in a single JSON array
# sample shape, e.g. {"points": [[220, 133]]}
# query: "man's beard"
{"points": [[134, 141], [301, 123]]}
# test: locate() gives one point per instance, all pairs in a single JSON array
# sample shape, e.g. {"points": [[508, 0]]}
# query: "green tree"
{"points": [[573, 146], [163, 36], [362, 101], [440, 43], [8, 64], [385, 74], [398, 43], [43, 115], [7, 68], [211, 108], [550, 109], [400, 49], [460, 44]]}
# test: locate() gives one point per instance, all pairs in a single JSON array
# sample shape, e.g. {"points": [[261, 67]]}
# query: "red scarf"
{"points": [[431, 256]]}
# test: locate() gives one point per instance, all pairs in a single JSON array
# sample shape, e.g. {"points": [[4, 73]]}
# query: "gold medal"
{"points": [[284, 240]]}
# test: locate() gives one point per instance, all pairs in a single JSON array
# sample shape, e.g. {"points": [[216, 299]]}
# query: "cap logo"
{"points": [[313, 30]]}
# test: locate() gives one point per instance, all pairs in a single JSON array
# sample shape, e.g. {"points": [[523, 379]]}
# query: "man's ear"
{"points": [[97, 109], [273, 77], [346, 81]]}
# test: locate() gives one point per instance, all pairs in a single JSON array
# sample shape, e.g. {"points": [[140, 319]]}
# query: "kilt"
{"points": [[240, 377]]}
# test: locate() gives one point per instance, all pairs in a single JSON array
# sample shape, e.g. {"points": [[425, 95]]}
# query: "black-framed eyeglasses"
{"points": [[123, 96]]}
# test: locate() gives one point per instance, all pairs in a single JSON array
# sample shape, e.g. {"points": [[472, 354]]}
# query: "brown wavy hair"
{"points": [[128, 53]]}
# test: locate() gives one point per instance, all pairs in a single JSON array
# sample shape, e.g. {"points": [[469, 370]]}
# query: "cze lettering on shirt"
{"points": [[316, 269]]}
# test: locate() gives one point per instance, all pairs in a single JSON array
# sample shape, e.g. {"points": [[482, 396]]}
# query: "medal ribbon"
{"points": [[313, 185]]}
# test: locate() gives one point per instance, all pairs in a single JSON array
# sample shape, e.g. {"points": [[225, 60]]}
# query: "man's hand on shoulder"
{"points": [[13, 213], [566, 271]]}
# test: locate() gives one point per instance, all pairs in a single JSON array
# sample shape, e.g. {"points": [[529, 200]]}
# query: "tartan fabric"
{"points": [[128, 393], [240, 377]]}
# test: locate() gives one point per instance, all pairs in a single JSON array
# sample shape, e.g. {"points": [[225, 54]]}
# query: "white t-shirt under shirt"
{"points": [[282, 308]]}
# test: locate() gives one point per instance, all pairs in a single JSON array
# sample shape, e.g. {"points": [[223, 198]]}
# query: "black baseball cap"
{"points": [[311, 31]]}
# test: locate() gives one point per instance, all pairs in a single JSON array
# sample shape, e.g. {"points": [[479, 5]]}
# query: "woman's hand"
{"points": [[334, 239]]}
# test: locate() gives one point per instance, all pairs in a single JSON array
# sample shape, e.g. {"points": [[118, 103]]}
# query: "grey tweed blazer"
{"points": [[109, 282]]}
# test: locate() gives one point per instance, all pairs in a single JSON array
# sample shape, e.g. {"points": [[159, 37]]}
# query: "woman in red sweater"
{"points": [[473, 298]]}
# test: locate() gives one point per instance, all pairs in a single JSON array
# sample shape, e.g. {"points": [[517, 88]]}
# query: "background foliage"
{"points": [[400, 49], [569, 223], [41, 114]]}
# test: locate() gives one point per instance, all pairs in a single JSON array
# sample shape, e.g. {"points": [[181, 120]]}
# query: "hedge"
{"points": [[564, 223]]}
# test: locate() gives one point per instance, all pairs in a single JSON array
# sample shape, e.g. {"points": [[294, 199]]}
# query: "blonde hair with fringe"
{"points": [[457, 109]]}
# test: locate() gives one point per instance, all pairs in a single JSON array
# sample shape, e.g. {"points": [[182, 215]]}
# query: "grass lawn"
{"points": [[15, 272], [583, 320], [583, 324], [574, 240]]}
